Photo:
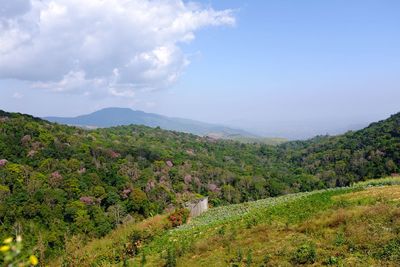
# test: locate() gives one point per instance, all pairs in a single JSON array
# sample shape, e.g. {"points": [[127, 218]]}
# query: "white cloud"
{"points": [[122, 92], [73, 81], [93, 46]]}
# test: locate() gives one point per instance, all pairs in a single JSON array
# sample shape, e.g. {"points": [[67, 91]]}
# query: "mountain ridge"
{"points": [[88, 182], [114, 116]]}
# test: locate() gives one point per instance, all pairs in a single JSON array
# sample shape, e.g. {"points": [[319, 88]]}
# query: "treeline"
{"points": [[341, 160], [58, 181]]}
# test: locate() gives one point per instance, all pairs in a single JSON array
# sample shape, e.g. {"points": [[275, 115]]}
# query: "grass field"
{"points": [[355, 226]]}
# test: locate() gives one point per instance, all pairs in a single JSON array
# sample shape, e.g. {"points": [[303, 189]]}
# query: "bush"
{"points": [[332, 260], [178, 217], [12, 254], [305, 254]]}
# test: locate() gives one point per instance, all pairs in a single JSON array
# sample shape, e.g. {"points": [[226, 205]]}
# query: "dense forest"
{"points": [[58, 181]]}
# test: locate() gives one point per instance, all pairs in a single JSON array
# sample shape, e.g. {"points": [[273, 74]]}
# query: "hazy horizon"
{"points": [[284, 129], [285, 69]]}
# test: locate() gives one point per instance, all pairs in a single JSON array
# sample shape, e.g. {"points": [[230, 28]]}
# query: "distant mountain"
{"points": [[110, 117], [56, 179]]}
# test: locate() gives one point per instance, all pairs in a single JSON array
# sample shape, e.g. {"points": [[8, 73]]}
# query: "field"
{"points": [[353, 226]]}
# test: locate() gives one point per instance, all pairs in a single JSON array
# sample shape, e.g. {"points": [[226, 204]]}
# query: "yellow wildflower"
{"points": [[33, 260], [4, 248], [8, 240]]}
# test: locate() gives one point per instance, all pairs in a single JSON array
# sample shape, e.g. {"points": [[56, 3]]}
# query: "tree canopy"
{"points": [[58, 181]]}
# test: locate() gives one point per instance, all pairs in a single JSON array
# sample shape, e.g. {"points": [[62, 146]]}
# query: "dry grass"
{"points": [[376, 193], [107, 247], [350, 235], [350, 232]]}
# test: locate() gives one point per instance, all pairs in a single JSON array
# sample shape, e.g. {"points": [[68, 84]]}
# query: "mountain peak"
{"points": [[116, 116], [115, 109]]}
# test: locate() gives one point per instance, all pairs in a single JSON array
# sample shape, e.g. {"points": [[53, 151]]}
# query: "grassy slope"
{"points": [[356, 226]]}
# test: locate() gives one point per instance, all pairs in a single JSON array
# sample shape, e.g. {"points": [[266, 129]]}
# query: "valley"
{"points": [[199, 133], [61, 186]]}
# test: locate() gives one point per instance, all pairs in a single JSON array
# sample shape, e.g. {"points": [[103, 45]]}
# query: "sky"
{"points": [[275, 67]]}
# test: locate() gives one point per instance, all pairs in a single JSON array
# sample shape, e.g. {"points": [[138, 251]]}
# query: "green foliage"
{"points": [[261, 140], [171, 257], [143, 260], [332, 260], [303, 228], [178, 217], [58, 181], [305, 254], [249, 258], [341, 160], [390, 251], [13, 255]]}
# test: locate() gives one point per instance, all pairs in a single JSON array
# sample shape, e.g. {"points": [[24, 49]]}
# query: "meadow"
{"points": [[350, 226]]}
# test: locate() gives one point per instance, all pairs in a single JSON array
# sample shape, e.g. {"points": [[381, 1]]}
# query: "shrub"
{"points": [[305, 254], [178, 217], [222, 230], [135, 241], [13, 255], [332, 260]]}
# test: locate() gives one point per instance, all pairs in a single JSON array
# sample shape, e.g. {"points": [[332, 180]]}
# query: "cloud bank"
{"points": [[100, 46]]}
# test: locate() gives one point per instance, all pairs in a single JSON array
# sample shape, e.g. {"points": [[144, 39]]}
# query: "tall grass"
{"points": [[307, 218]]}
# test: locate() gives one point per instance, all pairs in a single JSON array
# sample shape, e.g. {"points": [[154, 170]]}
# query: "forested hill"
{"points": [[338, 160], [58, 181]]}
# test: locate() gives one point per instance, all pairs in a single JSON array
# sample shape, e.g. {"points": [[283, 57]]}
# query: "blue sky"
{"points": [[289, 68]]}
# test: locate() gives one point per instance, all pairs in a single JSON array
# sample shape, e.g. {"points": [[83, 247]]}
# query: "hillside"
{"points": [[354, 226], [368, 153], [59, 182], [110, 117], [261, 140]]}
